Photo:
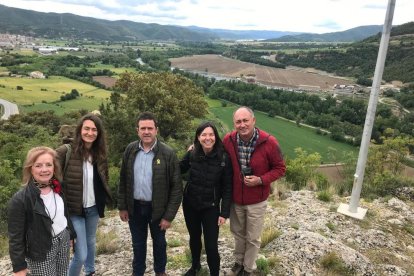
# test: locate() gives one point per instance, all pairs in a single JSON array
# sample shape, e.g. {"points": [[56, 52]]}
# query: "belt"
{"points": [[142, 202]]}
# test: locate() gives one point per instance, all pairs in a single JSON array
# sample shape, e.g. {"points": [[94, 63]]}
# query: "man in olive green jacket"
{"points": [[149, 194]]}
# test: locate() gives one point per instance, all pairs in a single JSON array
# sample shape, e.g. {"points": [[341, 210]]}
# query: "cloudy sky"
{"points": [[316, 16]]}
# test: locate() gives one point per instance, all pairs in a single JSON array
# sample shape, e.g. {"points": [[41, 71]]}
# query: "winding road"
{"points": [[9, 109]]}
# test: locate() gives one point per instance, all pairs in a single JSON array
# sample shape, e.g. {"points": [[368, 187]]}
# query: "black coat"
{"points": [[209, 181], [30, 227]]}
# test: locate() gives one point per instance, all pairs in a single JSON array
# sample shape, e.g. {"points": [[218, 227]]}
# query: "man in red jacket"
{"points": [[257, 161]]}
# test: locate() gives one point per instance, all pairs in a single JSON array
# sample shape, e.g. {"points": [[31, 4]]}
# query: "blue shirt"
{"points": [[143, 174]]}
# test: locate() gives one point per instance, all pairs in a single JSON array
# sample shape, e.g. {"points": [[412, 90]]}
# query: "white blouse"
{"points": [[88, 190], [55, 209]]}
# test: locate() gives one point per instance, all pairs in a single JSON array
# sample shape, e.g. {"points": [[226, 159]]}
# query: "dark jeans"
{"points": [[138, 225], [199, 221]]}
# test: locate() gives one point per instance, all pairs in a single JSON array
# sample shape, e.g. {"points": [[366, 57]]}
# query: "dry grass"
{"points": [[268, 235], [106, 243]]}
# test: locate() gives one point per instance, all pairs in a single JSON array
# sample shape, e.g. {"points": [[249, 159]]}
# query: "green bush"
{"points": [[8, 186], [324, 196], [332, 263], [113, 183], [321, 181], [301, 169], [262, 267]]}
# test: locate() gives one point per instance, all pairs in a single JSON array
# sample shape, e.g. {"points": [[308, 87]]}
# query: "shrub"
{"points": [[19, 87], [273, 261], [301, 169], [113, 183], [334, 264], [262, 266], [8, 186], [324, 196], [321, 181], [268, 235], [106, 243]]}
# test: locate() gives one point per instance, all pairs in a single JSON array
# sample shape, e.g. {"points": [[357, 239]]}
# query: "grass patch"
{"points": [[262, 267], [273, 261], [106, 243], [268, 235], [324, 196], [174, 242], [332, 263], [176, 261], [331, 226]]}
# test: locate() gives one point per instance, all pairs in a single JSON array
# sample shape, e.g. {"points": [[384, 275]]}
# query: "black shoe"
{"points": [[192, 271], [91, 274]]}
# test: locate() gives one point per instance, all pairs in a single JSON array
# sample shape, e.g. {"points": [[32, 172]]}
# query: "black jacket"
{"points": [[209, 181], [29, 227]]}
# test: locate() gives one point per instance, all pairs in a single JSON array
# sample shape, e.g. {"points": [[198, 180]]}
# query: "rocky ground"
{"points": [[308, 230]]}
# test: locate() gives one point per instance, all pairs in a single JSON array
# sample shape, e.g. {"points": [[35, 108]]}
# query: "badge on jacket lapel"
{"points": [[158, 161]]}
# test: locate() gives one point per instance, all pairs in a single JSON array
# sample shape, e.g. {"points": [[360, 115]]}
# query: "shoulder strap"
{"points": [[68, 154]]}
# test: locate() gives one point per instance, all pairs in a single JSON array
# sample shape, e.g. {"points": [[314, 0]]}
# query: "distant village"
{"points": [[14, 42]]}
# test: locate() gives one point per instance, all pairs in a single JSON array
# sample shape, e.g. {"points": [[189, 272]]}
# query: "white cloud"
{"points": [[319, 16]]}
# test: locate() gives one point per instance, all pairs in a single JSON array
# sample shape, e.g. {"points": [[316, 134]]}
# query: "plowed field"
{"points": [[215, 64]]}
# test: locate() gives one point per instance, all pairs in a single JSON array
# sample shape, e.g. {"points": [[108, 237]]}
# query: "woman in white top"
{"points": [[85, 183]]}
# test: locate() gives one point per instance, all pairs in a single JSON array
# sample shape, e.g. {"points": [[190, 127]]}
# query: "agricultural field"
{"points": [[289, 135], [44, 94], [265, 75]]}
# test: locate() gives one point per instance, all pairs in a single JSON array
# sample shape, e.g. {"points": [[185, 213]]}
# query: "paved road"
{"points": [[9, 109]]}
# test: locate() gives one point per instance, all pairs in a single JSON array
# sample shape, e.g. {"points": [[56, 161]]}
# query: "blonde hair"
{"points": [[31, 158]]}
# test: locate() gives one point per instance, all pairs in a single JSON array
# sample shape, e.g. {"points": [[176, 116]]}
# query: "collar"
{"points": [[254, 138], [141, 147]]}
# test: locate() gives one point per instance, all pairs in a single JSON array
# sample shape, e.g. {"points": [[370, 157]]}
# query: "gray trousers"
{"points": [[246, 224]]}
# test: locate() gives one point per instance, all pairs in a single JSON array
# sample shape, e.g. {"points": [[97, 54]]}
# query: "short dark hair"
{"points": [[144, 116]]}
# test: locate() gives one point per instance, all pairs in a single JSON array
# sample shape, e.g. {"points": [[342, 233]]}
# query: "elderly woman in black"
{"points": [[207, 195], [38, 224]]}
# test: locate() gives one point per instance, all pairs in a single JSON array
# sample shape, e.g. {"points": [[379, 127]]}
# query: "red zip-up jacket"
{"points": [[266, 162]]}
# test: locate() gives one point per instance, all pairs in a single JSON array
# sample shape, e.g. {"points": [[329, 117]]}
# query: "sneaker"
{"points": [[235, 270], [192, 271]]}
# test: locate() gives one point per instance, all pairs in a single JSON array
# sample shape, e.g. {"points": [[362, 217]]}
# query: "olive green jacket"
{"points": [[166, 182]]}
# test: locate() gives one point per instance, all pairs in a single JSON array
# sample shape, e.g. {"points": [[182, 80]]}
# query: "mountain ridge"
{"points": [[71, 26]]}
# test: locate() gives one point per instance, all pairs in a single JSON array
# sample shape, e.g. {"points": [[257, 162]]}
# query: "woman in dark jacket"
{"points": [[207, 195], [86, 187], [38, 222]]}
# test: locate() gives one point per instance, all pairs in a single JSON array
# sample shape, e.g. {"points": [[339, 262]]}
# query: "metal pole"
{"points": [[369, 120]]}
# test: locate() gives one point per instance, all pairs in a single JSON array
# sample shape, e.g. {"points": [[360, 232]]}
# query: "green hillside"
{"points": [[44, 94], [289, 135], [55, 25]]}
